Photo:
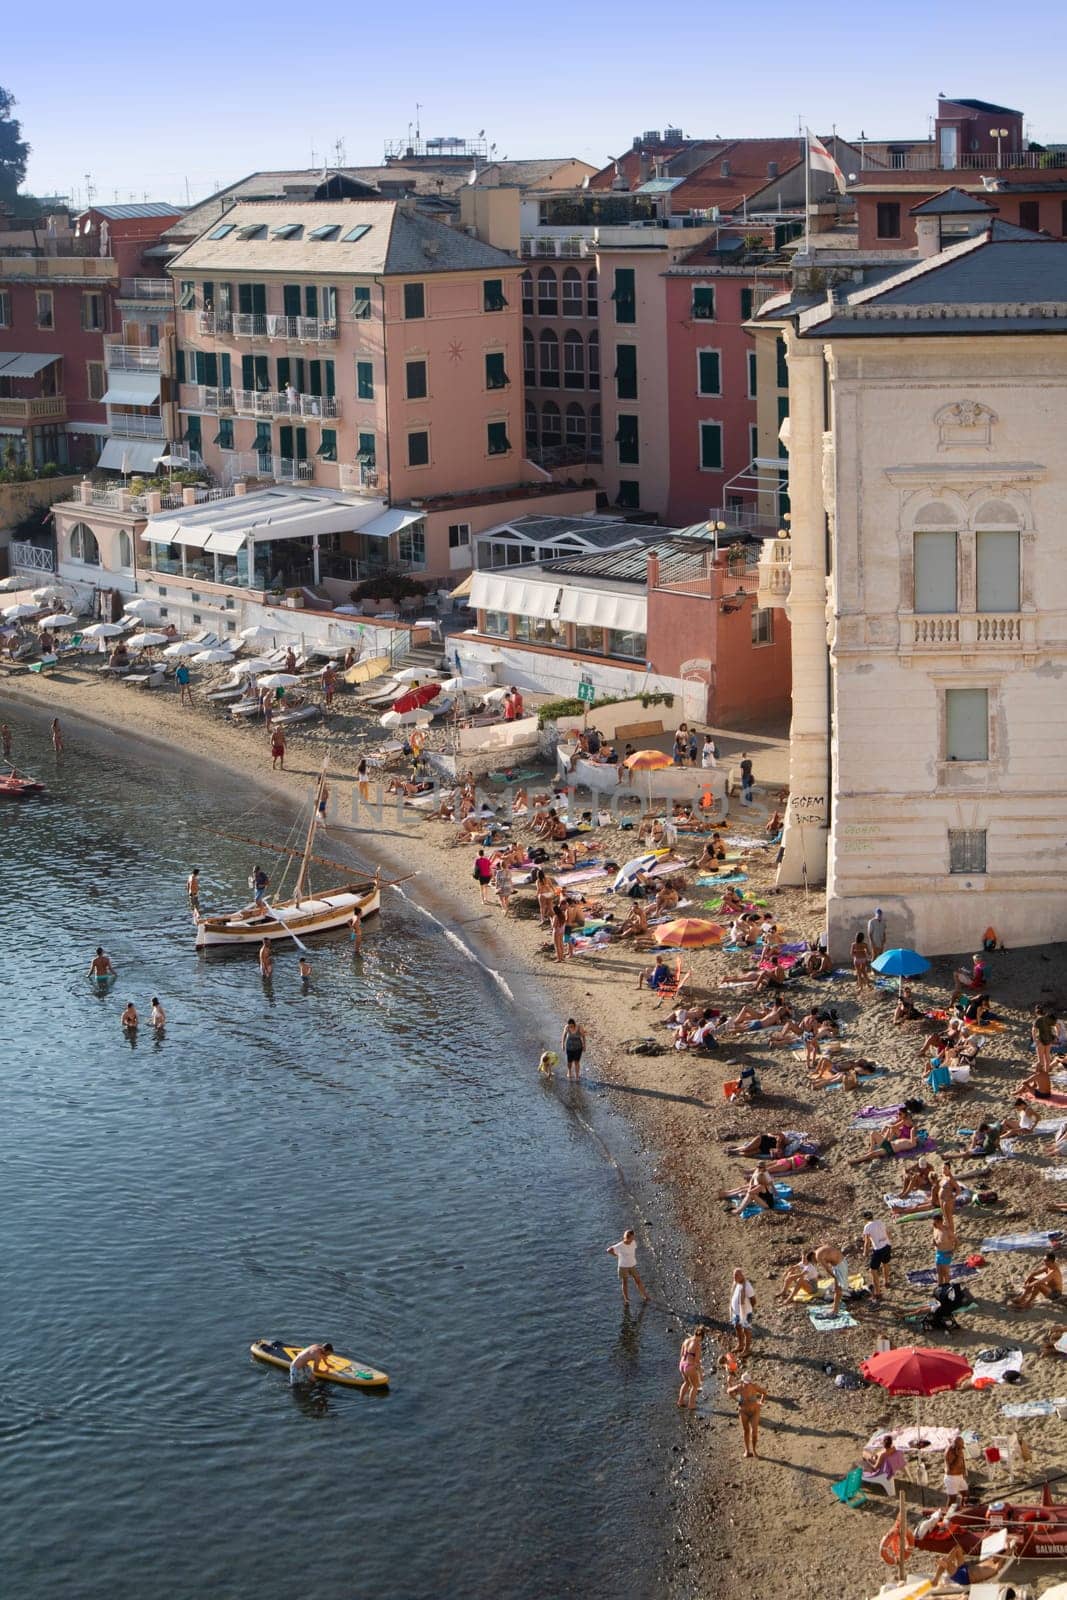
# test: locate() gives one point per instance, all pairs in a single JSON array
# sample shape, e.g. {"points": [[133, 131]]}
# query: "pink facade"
{"points": [[561, 361]]}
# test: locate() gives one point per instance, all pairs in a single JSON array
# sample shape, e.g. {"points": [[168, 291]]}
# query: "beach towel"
{"points": [[824, 1286], [862, 1077], [1051, 1125], [1057, 1174], [875, 1116], [1021, 1241], [926, 1277], [824, 1321], [1033, 1408], [735, 877], [1012, 1362], [896, 1202], [716, 905], [986, 1027], [782, 1189], [756, 1209]]}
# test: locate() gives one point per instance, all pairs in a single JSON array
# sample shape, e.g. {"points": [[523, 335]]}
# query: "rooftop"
{"points": [[606, 533], [951, 202], [977, 105], [144, 208]]}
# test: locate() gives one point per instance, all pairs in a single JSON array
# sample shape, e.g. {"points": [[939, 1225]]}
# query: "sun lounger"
{"points": [[145, 680], [46, 664]]}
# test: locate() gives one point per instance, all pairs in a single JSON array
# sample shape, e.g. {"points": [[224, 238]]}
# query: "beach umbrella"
{"points": [[256, 635], [182, 647], [141, 606], [145, 641], [59, 619], [278, 680], [17, 612], [211, 658], [920, 1370], [900, 964], [405, 719], [52, 591], [493, 694], [649, 761], [416, 674], [253, 666], [103, 630], [689, 933], [7, 585], [628, 873], [416, 698]]}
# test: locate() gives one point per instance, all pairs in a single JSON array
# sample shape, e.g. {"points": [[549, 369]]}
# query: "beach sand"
{"points": [[727, 1518]]}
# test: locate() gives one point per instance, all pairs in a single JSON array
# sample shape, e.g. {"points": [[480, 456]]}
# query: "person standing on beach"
{"points": [[559, 932], [861, 962], [1043, 1034], [750, 1397], [625, 1253], [266, 959], [57, 737], [277, 749], [5, 740], [483, 875], [573, 1047], [879, 1253], [832, 1261], [181, 678], [362, 781], [691, 1366], [746, 778], [742, 1305], [502, 885], [944, 1232], [876, 932]]}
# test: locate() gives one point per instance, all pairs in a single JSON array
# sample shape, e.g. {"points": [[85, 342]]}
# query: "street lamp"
{"points": [[998, 134]]}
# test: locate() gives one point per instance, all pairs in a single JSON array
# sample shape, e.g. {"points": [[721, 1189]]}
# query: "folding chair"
{"points": [[850, 1490]]}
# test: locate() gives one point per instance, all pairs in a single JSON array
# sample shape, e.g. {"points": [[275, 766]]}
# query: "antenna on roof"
{"points": [[418, 120]]}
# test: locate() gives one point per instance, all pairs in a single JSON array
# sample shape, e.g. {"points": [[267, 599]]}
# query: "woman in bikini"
{"points": [[750, 1397], [861, 962], [691, 1366]]}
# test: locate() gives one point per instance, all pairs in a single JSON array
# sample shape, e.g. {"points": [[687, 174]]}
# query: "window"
{"points": [[549, 359], [935, 572], [311, 300], [630, 645], [222, 230], [493, 294], [629, 495], [45, 313], [626, 371], [414, 378], [125, 549], [252, 300], [328, 445], [496, 434], [551, 425], [496, 376], [532, 438], [95, 381], [328, 230], [356, 233], [418, 449], [573, 360], [459, 535], [746, 304], [527, 293], [753, 442], [412, 545], [762, 626], [1029, 214], [414, 301], [594, 360], [576, 427], [361, 301], [752, 370], [624, 295], [703, 302], [5, 308], [193, 435], [573, 305], [547, 293], [187, 294], [93, 313], [224, 437], [888, 219], [711, 447], [367, 454], [783, 412], [966, 724], [709, 366], [591, 307], [626, 439], [966, 849], [253, 230], [83, 545], [529, 358], [596, 440], [782, 359], [589, 639], [364, 380], [496, 623], [997, 561], [288, 230]]}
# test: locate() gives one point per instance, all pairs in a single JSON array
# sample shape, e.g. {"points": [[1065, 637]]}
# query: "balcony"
{"points": [[212, 322], [44, 408], [131, 357], [573, 247], [775, 564], [249, 325], [210, 398], [269, 403], [127, 425], [967, 161], [962, 633], [154, 289], [287, 330]]}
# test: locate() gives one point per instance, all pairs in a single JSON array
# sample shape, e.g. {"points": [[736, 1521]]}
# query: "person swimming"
{"points": [[101, 970]]}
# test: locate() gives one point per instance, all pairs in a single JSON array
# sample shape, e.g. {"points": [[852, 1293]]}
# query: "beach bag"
{"points": [[989, 939]]}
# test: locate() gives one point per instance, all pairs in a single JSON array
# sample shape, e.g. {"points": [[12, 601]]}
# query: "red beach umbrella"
{"points": [[415, 699], [917, 1370]]}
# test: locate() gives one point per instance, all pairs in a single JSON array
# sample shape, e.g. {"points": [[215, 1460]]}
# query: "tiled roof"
{"points": [[629, 165], [526, 174], [982, 105], [748, 161], [949, 203]]}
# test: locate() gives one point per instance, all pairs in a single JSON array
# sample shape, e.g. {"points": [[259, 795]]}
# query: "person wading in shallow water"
{"points": [[573, 1047]]}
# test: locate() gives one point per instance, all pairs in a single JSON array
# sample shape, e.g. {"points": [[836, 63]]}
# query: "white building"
{"points": [[926, 583]]}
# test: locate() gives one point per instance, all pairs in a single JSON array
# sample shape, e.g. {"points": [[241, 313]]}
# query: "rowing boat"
{"points": [[15, 787]]}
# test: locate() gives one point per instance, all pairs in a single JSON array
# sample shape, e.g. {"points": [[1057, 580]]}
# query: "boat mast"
{"points": [[306, 857]]}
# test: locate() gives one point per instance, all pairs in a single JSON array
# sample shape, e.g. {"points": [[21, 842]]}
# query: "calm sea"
{"points": [[374, 1162]]}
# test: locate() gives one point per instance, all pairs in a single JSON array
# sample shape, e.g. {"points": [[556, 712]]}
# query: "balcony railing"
{"points": [[131, 357], [26, 557], [145, 289], [360, 479], [37, 410], [966, 631], [212, 399], [270, 403], [214, 321], [249, 325], [572, 247], [773, 572], [291, 330], [129, 426], [968, 161]]}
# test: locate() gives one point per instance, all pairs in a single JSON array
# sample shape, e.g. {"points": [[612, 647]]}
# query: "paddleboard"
{"points": [[342, 1369]]}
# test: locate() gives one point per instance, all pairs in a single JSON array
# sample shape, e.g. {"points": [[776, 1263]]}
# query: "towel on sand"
{"points": [[855, 1281], [1012, 1362], [757, 1208], [1021, 1241], [875, 1116], [926, 1277], [1033, 1408], [824, 1321]]}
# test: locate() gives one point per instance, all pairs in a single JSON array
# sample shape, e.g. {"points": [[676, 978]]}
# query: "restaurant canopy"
{"points": [[266, 515]]}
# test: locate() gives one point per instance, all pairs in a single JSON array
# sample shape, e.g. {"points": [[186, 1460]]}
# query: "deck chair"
{"points": [[673, 987], [850, 1490]]}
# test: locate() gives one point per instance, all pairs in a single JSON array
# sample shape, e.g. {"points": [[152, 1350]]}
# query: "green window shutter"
{"points": [[414, 301], [207, 292], [495, 374], [262, 367], [193, 435], [244, 299], [703, 302], [291, 299], [259, 299], [746, 304], [626, 371], [211, 369], [315, 376], [196, 359], [361, 301], [625, 295], [225, 375], [753, 369], [311, 300], [627, 441], [710, 446], [248, 373], [783, 363], [328, 445], [493, 294], [329, 379], [224, 437], [364, 380], [418, 449], [497, 435], [298, 376], [179, 363], [367, 453], [301, 444], [285, 440], [283, 373], [710, 382], [415, 386], [329, 304], [263, 444]]}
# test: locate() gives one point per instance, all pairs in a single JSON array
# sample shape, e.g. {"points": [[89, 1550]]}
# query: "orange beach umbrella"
{"points": [[648, 761], [690, 933]]}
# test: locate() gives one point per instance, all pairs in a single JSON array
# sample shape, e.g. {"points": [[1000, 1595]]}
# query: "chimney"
{"points": [[85, 491], [653, 571], [928, 236]]}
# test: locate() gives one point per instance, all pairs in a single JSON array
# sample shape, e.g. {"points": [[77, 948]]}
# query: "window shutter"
{"points": [[935, 572], [329, 378], [328, 447], [709, 372], [283, 373], [746, 304], [248, 373], [291, 299], [179, 362], [285, 439], [225, 375], [311, 300], [361, 301], [997, 555], [967, 724]]}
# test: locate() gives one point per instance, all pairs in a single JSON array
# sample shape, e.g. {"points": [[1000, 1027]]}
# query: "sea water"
{"points": [[371, 1160]]}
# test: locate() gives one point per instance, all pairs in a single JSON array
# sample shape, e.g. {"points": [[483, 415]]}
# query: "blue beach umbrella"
{"points": [[900, 964]]}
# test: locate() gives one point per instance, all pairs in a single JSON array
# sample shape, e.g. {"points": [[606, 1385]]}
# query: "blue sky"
{"points": [[148, 98]]}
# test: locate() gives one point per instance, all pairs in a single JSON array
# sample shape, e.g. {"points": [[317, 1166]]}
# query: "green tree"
{"points": [[14, 151]]}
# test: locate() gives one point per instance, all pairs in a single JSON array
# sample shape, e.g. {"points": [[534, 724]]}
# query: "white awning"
{"points": [[132, 389], [140, 455], [25, 364], [265, 515], [392, 521], [521, 597], [226, 543], [604, 608]]}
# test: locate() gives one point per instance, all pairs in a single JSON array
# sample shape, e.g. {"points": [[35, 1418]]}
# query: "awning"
{"points": [[392, 521], [25, 364], [140, 455], [132, 389], [603, 608], [264, 516], [521, 597], [462, 590], [227, 542], [160, 530]]}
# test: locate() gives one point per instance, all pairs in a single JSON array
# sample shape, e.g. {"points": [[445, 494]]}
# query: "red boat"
{"points": [[16, 787], [1041, 1526]]}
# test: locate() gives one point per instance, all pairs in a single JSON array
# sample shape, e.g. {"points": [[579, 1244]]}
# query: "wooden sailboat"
{"points": [[303, 914]]}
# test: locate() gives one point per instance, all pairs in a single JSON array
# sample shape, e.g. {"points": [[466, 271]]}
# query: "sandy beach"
{"points": [[729, 1514]]}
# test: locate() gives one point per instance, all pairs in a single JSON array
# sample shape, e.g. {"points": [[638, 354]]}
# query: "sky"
{"points": [[149, 101]]}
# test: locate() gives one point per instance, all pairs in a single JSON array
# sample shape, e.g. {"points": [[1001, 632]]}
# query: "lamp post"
{"points": [[998, 134]]}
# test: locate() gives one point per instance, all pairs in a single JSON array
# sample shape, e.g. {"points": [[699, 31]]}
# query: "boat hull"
{"points": [[316, 914], [19, 788]]}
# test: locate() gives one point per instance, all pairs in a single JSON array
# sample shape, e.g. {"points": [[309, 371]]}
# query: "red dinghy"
{"points": [[1041, 1526], [16, 787]]}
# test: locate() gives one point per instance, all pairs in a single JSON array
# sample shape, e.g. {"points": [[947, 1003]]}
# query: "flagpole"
{"points": [[807, 191]]}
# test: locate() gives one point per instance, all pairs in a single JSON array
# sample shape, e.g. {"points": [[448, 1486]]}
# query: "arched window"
{"points": [[997, 557], [531, 426], [83, 545], [594, 360], [590, 293], [935, 560], [572, 293], [529, 357], [596, 444], [573, 360], [527, 293], [577, 431], [125, 549], [551, 425], [549, 359], [547, 293]]}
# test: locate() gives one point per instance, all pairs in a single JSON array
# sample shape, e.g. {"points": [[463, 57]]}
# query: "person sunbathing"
{"points": [[934, 1043], [1051, 1340], [666, 900], [766, 1146], [712, 854], [743, 933], [759, 1190], [984, 1141], [653, 832], [906, 1009], [960, 1568], [1038, 1085], [520, 803], [566, 859], [732, 903], [636, 924], [831, 1069], [752, 1018], [1044, 1282], [817, 964], [918, 1179], [891, 1141], [802, 1275], [1021, 1121], [446, 810]]}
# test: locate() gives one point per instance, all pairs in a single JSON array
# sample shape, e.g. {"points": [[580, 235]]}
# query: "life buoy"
{"points": [[889, 1549]]}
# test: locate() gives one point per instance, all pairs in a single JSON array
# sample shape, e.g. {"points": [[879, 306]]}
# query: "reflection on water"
{"points": [[368, 1158]]}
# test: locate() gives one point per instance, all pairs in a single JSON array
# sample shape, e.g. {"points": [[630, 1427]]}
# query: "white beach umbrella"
{"points": [[103, 630], [211, 658], [493, 694], [52, 591], [145, 641], [278, 680], [252, 667], [141, 606], [406, 719], [183, 647], [416, 674], [256, 635], [17, 612], [452, 686], [9, 585], [59, 619]]}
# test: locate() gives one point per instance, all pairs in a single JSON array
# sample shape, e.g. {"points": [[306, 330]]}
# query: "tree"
{"points": [[14, 151]]}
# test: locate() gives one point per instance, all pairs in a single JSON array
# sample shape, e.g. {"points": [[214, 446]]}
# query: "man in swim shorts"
{"points": [[833, 1262], [306, 1364], [944, 1231], [100, 968]]}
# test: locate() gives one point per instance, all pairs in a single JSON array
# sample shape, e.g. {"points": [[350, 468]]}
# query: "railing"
{"points": [[249, 324], [360, 478], [740, 521], [987, 630], [573, 247], [286, 469], [31, 557], [131, 357], [773, 572], [269, 403], [399, 646], [48, 405], [145, 289], [302, 330], [968, 161], [214, 321], [133, 427]]}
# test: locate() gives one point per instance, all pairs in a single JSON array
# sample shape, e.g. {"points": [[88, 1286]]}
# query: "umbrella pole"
{"points": [[902, 1523]]}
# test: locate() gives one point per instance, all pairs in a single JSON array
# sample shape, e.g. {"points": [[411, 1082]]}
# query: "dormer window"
{"points": [[356, 233]]}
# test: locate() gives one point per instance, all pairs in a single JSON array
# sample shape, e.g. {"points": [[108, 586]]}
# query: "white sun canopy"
{"points": [[522, 597], [132, 389], [24, 364], [140, 455], [604, 608], [268, 514]]}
